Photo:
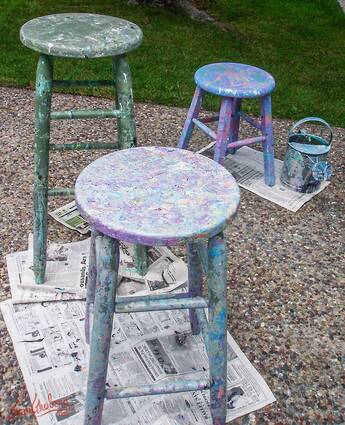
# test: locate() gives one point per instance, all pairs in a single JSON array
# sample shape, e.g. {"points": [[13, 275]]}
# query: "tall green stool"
{"points": [[77, 35]]}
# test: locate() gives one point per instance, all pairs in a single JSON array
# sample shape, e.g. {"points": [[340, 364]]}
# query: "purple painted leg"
{"points": [[217, 344], [91, 285], [235, 124], [192, 113], [268, 144], [223, 130], [107, 250], [194, 282]]}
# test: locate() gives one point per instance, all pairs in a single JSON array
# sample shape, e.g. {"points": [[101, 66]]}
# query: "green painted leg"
{"points": [[44, 78], [124, 100], [141, 259], [126, 130]]}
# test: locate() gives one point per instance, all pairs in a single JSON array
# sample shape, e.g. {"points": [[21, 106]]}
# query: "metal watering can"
{"points": [[305, 164]]}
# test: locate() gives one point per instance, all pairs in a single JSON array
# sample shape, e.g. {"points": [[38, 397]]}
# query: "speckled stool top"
{"points": [[80, 35], [156, 196], [234, 80]]}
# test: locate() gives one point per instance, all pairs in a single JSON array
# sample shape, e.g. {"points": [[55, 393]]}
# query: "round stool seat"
{"points": [[234, 80], [156, 196], [80, 35]]}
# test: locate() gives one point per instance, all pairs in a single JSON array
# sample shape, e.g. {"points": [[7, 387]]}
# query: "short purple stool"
{"points": [[158, 196], [233, 82]]}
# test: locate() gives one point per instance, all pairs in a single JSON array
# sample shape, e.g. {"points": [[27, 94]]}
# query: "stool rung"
{"points": [[210, 133], [169, 387], [213, 118], [246, 142], [83, 83], [169, 295], [85, 114], [77, 146], [159, 304], [61, 192], [250, 120]]}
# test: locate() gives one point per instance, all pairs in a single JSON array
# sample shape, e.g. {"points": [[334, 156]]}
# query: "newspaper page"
{"points": [[67, 272], [69, 216], [49, 342], [16, 264], [247, 168], [166, 272], [165, 420], [66, 269]]}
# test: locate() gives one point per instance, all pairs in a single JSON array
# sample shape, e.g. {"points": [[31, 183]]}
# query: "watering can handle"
{"points": [[313, 119]]}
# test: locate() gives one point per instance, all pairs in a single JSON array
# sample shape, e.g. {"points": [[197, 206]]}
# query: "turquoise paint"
{"points": [[185, 198], [81, 35], [76, 35], [42, 134]]}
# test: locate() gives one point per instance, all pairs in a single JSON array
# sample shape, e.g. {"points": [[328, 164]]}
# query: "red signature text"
{"points": [[39, 408]]}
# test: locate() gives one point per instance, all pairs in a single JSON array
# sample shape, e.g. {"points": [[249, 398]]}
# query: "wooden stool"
{"points": [[76, 35], [158, 196], [233, 82]]}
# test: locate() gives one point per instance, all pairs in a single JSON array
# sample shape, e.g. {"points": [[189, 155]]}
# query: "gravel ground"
{"points": [[286, 270]]}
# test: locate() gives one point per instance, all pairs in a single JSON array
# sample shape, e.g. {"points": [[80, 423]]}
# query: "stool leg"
{"points": [[217, 345], [44, 78], [91, 285], [193, 112], [124, 100], [194, 282], [235, 124], [223, 129], [127, 131], [140, 259], [268, 144], [107, 254]]}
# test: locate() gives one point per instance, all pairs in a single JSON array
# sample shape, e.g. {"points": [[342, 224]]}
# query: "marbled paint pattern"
{"points": [[157, 196], [42, 136], [234, 80], [81, 35]]}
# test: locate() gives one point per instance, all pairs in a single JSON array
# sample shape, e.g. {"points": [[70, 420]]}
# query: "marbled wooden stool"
{"points": [[185, 198], [233, 82], [76, 35]]}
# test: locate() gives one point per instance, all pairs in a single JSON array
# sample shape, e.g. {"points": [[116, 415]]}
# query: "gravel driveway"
{"points": [[286, 270]]}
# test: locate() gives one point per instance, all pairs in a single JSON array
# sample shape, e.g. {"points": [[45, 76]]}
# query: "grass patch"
{"points": [[301, 43]]}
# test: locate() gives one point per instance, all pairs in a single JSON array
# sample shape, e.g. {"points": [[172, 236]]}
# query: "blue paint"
{"points": [[217, 346], [107, 270], [106, 197], [185, 196], [195, 275], [233, 82]]}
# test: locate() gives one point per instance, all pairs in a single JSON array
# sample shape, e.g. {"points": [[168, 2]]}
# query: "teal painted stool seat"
{"points": [[80, 35], [77, 35], [233, 82], [186, 199]]}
